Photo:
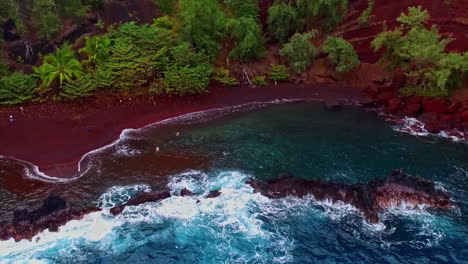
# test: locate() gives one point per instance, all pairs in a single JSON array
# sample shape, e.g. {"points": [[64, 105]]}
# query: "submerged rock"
{"points": [[144, 197], [332, 105], [369, 198]]}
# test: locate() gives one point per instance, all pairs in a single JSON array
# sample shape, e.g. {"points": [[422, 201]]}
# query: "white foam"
{"points": [[32, 171], [415, 127]]}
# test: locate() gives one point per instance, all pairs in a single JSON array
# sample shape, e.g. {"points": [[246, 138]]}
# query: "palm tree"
{"points": [[62, 65]]}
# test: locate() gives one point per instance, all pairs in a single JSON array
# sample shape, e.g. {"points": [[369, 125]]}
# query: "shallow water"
{"points": [[222, 149]]}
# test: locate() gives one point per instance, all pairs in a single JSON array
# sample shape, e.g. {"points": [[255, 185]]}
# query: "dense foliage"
{"points": [[62, 65], [167, 7], [420, 53], [223, 77], [245, 8], [97, 50], [203, 25], [282, 21], [46, 18], [17, 88], [299, 52], [250, 43], [341, 54], [332, 10]]}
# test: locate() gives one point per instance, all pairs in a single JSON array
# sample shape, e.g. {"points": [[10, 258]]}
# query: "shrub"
{"points": [[260, 81], [17, 88], [250, 43], [282, 21], [185, 80], [61, 65], [46, 18], [97, 49], [136, 57], [79, 88], [71, 8], [332, 10], [243, 8], [222, 76], [278, 73], [367, 13], [420, 53], [167, 7], [203, 24], [188, 73], [94, 3], [341, 54], [299, 52]]}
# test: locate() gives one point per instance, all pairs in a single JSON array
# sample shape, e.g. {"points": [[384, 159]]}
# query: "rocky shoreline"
{"points": [[371, 199]]}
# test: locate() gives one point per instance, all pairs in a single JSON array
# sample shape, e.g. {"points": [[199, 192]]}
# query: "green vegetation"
{"points": [[62, 65], [97, 50], [250, 42], [367, 13], [176, 53], [332, 10], [260, 81], [17, 88], [282, 21], [203, 25], [420, 53], [243, 8], [278, 73], [167, 7], [299, 52], [46, 18], [341, 54], [79, 88], [222, 76]]}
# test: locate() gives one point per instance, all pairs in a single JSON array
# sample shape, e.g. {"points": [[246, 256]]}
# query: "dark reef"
{"points": [[369, 198]]}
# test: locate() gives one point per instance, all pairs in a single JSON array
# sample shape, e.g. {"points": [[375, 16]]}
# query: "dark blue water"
{"points": [[222, 149]]}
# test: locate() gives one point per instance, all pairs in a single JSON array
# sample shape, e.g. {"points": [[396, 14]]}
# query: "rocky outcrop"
{"points": [[144, 197], [370, 198], [51, 215], [437, 114]]}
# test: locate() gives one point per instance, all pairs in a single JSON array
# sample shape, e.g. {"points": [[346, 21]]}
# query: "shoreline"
{"points": [[55, 136]]}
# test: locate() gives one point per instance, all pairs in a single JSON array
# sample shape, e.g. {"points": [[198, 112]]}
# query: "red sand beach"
{"points": [[54, 136]]}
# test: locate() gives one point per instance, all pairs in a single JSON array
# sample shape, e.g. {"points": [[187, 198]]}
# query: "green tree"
{"points": [[420, 53], [223, 77], [84, 86], [299, 52], [367, 13], [97, 49], [203, 24], [17, 88], [71, 8], [167, 7], [13, 9], [62, 65], [341, 53], [243, 8], [282, 21], [250, 43], [188, 73], [46, 18], [332, 10], [278, 73]]}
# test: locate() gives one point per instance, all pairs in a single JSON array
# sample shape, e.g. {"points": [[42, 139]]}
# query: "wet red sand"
{"points": [[54, 136]]}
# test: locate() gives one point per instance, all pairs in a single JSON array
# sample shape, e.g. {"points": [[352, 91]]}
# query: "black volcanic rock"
{"points": [[144, 197], [51, 215], [186, 192], [214, 194], [369, 198]]}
